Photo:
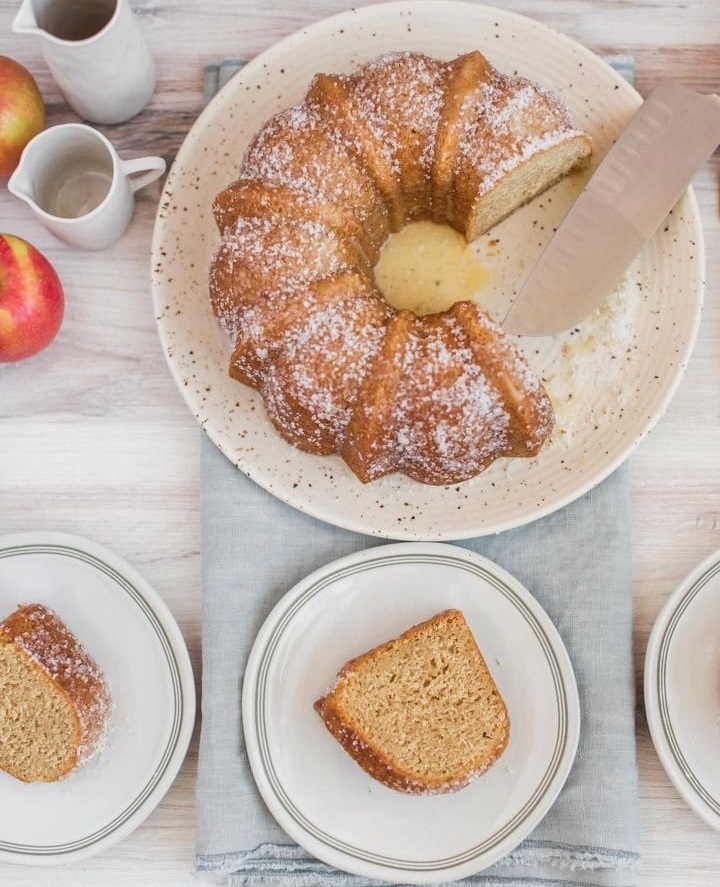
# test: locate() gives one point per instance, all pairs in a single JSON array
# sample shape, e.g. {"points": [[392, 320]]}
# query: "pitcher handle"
{"points": [[153, 167]]}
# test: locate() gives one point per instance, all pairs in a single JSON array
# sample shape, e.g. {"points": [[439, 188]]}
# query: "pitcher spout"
{"points": [[20, 185], [25, 21]]}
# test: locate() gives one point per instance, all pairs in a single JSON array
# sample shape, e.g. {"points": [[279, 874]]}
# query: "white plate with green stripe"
{"points": [[682, 689], [322, 798], [125, 626]]}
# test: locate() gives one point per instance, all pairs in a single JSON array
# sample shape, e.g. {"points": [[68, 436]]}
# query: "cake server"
{"points": [[633, 189]]}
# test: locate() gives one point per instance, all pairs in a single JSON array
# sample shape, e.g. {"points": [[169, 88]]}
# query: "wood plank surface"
{"points": [[95, 439]]}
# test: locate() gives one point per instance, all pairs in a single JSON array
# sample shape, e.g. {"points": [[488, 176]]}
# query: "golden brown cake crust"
{"points": [[52, 649], [402, 138], [379, 765], [386, 771]]}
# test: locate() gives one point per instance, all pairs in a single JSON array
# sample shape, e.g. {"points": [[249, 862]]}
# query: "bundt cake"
{"points": [[420, 713], [321, 186]]}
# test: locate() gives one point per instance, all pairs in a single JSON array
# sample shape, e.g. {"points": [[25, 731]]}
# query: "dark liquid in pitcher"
{"points": [[76, 19]]}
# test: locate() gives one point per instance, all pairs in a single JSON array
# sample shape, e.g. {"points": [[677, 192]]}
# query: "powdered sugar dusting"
{"points": [[261, 255], [311, 389], [298, 149], [398, 99], [451, 419], [507, 121], [598, 355]]}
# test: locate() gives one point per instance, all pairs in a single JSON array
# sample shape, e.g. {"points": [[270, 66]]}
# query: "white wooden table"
{"points": [[95, 440]]}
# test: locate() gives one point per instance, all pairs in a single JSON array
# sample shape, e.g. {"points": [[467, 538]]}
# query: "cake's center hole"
{"points": [[426, 268]]}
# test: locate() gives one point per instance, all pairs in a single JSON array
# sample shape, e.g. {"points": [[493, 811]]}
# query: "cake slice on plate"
{"points": [[54, 699], [420, 713]]}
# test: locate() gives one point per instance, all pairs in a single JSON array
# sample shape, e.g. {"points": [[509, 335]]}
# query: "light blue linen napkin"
{"points": [[577, 563]]}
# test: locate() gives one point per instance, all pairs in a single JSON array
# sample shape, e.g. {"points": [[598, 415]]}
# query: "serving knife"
{"points": [[625, 201]]}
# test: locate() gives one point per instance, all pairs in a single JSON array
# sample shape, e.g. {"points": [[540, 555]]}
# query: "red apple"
{"points": [[22, 113], [31, 299]]}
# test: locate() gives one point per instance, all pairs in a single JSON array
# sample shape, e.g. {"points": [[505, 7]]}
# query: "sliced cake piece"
{"points": [[516, 141], [54, 701], [420, 713]]}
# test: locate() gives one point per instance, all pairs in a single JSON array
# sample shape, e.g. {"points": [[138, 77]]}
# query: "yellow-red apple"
{"points": [[31, 299], [22, 113]]}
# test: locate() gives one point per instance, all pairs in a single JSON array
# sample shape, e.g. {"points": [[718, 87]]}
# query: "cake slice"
{"points": [[516, 139], [420, 713], [54, 701]]}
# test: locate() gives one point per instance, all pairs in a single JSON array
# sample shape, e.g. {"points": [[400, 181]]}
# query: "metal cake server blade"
{"points": [[636, 185]]}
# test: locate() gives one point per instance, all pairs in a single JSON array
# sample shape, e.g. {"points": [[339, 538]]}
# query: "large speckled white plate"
{"points": [[610, 379], [320, 796]]}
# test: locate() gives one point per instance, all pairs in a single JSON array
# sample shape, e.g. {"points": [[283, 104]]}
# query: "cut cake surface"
{"points": [[54, 700], [420, 713]]}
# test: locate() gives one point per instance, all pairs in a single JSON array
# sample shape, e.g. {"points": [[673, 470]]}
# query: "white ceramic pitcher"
{"points": [[76, 185], [96, 53]]}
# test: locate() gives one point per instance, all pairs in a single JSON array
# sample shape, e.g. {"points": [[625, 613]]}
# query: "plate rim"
{"points": [[152, 607], [569, 723], [319, 509], [664, 740]]}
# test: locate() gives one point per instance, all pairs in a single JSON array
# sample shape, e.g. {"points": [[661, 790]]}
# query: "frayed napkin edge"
{"points": [[289, 859], [571, 856]]}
